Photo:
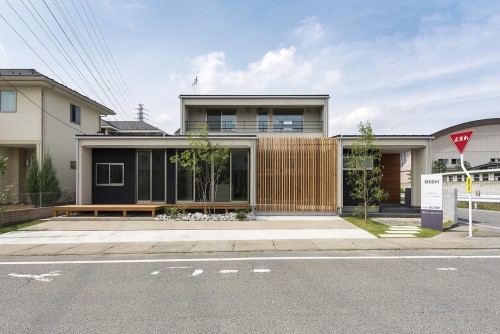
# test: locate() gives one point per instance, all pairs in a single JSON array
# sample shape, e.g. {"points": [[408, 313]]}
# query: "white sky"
{"points": [[409, 67]]}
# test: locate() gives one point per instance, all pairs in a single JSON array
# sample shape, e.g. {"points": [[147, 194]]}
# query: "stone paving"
{"points": [[314, 235]]}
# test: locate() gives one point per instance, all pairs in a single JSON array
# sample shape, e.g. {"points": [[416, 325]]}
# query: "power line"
{"points": [[107, 46]]}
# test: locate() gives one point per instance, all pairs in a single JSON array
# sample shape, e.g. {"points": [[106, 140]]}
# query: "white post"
{"points": [[470, 196]]}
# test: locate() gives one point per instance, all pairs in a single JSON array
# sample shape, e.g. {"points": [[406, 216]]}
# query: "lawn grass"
{"points": [[19, 226], [377, 228], [370, 226]]}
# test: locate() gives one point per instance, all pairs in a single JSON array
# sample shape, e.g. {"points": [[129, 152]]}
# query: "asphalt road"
{"points": [[486, 222], [340, 292]]}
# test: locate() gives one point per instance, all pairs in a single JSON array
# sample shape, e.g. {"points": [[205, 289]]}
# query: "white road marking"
{"points": [[179, 267], [279, 258], [155, 273], [447, 269], [41, 278], [261, 270], [480, 225], [228, 271], [197, 272]]}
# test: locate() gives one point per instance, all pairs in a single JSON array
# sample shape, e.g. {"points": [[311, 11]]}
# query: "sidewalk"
{"points": [[149, 237]]}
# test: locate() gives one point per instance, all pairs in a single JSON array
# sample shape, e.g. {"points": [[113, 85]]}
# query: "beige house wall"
{"points": [[59, 138]]}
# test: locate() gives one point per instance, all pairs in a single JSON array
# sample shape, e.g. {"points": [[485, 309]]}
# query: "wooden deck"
{"points": [[96, 208]]}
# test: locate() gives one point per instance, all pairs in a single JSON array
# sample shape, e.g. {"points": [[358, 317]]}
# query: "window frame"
{"points": [[73, 113], [109, 164], [15, 101]]}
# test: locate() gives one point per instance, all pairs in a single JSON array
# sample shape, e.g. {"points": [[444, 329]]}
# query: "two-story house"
{"points": [[38, 115], [281, 158], [137, 169]]}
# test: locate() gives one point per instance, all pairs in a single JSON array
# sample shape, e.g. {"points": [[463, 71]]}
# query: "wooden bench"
{"points": [[201, 206], [96, 208]]}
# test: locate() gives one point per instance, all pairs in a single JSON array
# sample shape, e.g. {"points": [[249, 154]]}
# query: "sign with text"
{"points": [[431, 211], [461, 139], [468, 185]]}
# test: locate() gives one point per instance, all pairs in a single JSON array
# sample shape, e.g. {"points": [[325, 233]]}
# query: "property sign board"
{"points": [[431, 212], [461, 139]]}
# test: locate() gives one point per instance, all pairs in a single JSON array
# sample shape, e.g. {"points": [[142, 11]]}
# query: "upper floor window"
{"points": [[74, 114], [7, 101], [221, 120], [289, 120]]}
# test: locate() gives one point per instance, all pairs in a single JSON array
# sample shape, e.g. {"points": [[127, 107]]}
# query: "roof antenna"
{"points": [[195, 82]]}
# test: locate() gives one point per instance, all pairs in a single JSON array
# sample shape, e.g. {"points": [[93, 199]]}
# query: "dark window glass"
{"points": [[116, 174], [288, 120], [143, 176], [158, 175], [75, 114], [239, 170], [221, 120], [102, 174]]}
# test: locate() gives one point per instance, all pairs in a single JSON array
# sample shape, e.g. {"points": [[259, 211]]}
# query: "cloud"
{"points": [[309, 30], [277, 68], [353, 118]]}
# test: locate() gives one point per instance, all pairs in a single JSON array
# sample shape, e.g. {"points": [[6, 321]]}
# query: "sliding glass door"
{"points": [[151, 176]]}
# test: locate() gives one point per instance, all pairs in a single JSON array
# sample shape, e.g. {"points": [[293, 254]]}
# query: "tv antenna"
{"points": [[195, 82]]}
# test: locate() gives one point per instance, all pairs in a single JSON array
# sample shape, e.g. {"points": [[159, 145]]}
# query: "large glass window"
{"points": [[289, 120], [109, 174], [221, 120], [8, 101], [232, 184], [143, 176], [239, 180], [185, 183], [262, 119]]}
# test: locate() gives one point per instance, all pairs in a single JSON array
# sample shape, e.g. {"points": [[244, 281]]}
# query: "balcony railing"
{"points": [[256, 126]]}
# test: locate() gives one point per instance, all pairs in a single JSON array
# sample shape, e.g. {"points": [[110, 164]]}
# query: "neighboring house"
{"points": [[37, 115], [129, 128], [281, 158]]}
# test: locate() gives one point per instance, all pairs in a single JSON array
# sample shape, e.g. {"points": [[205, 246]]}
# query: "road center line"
{"points": [[249, 259]]}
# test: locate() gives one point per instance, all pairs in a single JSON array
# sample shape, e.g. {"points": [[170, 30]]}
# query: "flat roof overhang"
{"points": [[391, 144], [159, 142]]}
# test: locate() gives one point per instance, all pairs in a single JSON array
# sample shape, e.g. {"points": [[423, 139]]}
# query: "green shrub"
{"points": [[241, 214]]}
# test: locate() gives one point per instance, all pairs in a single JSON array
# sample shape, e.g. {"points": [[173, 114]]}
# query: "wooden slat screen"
{"points": [[297, 174]]}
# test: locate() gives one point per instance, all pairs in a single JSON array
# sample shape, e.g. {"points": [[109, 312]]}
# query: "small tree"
{"points": [[5, 191], [439, 166], [208, 161], [32, 184], [467, 165], [41, 182], [49, 184], [364, 172]]}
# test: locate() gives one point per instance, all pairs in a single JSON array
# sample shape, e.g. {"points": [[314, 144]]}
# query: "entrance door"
{"points": [[151, 176]]}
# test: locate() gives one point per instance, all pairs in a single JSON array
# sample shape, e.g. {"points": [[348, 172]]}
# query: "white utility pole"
{"points": [[470, 195]]}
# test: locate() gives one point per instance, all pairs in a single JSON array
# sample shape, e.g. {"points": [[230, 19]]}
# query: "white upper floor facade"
{"points": [[260, 115]]}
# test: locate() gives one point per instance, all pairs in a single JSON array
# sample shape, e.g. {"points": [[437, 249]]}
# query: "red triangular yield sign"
{"points": [[461, 139]]}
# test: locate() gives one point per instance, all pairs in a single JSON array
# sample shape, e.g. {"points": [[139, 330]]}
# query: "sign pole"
{"points": [[470, 195]]}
